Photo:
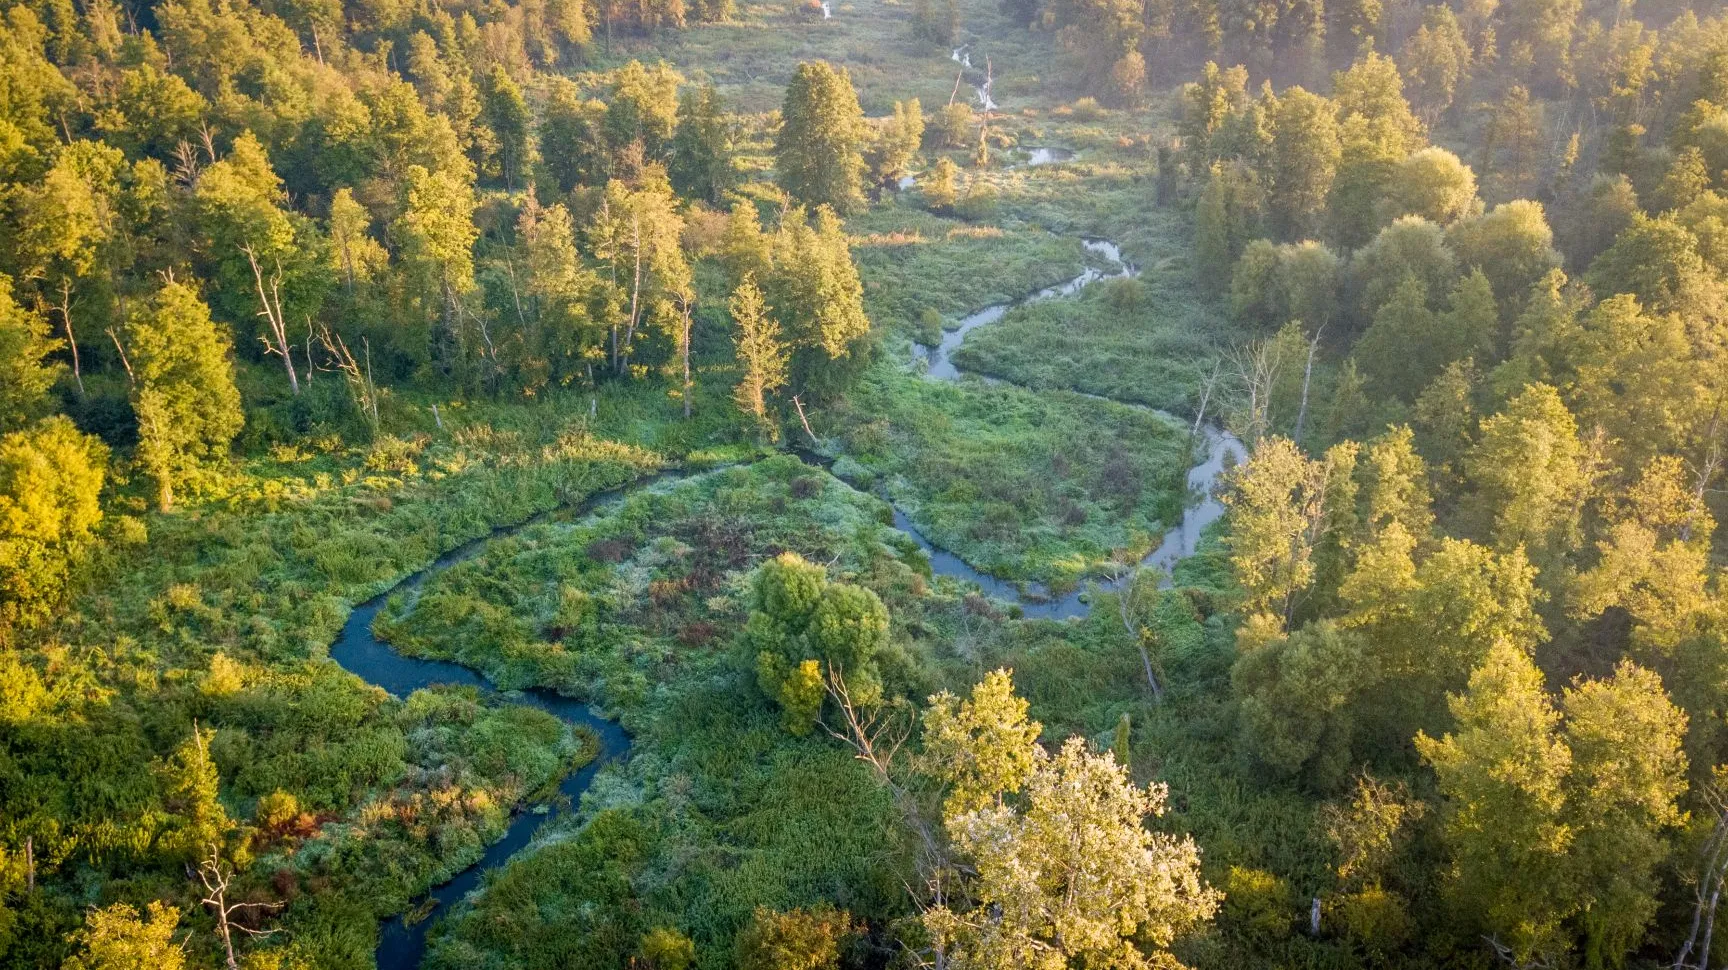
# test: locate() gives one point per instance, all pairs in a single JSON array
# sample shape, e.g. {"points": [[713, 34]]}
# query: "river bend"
{"points": [[402, 943]]}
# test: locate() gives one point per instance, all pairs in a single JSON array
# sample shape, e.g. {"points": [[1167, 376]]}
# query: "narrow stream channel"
{"points": [[401, 943], [941, 364], [1222, 449]]}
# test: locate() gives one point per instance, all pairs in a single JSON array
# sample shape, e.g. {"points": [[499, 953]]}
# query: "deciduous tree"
{"points": [[26, 375], [118, 937], [1531, 475], [701, 166], [1074, 876], [1303, 163], [1503, 772], [50, 486], [818, 152], [984, 747], [183, 392]]}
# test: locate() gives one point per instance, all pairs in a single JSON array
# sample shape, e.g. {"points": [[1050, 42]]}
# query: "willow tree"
{"points": [[814, 639], [818, 153]]}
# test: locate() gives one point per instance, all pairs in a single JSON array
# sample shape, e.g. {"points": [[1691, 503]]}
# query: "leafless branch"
{"points": [[216, 877]]}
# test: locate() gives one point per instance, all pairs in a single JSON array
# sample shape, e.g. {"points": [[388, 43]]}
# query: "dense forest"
{"points": [[819, 484]]}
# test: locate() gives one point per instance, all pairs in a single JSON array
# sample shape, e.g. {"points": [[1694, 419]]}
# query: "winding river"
{"points": [[402, 942]]}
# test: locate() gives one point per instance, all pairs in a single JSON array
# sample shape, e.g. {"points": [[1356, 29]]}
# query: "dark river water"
{"points": [[402, 944]]}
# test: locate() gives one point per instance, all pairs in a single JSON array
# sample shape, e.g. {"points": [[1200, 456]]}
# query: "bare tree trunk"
{"points": [[635, 295], [876, 740], [272, 314], [1151, 678], [71, 341], [216, 878], [1307, 375], [1207, 386], [1707, 469], [515, 292], [359, 378], [803, 420], [1712, 873], [131, 378], [310, 367], [491, 351], [1125, 607], [347, 266], [684, 351], [371, 388]]}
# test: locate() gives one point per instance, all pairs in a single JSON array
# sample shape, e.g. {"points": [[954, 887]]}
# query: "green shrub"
{"points": [[1376, 918], [1258, 903]]}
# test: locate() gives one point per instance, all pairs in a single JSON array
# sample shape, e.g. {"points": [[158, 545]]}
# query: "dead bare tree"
{"points": [[216, 877], [1307, 376], [360, 385], [876, 734], [804, 420], [275, 338], [1129, 595], [686, 307], [65, 309], [1208, 385], [1705, 470], [1707, 893], [1504, 952], [186, 165], [120, 349], [310, 366], [1257, 366]]}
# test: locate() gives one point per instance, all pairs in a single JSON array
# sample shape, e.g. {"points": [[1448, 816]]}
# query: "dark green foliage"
{"points": [[702, 146], [506, 114]]}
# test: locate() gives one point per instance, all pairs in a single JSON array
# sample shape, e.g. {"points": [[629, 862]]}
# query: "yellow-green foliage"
{"points": [[50, 480]]}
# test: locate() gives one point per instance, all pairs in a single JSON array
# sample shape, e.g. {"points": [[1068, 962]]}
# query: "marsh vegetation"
{"points": [[476, 489]]}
